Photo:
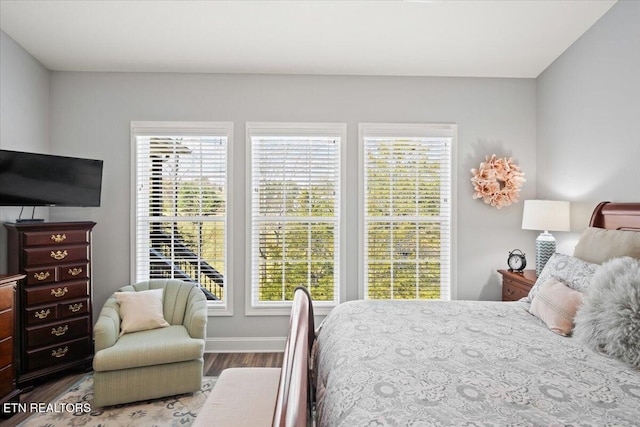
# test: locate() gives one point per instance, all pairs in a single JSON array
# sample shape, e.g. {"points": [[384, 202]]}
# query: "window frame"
{"points": [[294, 129], [399, 130], [188, 128]]}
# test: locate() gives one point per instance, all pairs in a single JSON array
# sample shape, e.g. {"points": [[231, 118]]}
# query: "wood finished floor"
{"points": [[214, 364]]}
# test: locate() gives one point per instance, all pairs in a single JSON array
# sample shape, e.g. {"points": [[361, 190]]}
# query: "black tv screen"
{"points": [[30, 179]]}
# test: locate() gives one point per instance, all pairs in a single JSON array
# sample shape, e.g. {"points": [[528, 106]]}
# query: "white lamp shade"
{"points": [[547, 215]]}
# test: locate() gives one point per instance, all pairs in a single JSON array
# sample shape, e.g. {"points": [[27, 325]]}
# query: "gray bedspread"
{"points": [[463, 363]]}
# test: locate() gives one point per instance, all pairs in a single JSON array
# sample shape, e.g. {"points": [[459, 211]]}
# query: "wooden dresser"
{"points": [[54, 322], [8, 390]]}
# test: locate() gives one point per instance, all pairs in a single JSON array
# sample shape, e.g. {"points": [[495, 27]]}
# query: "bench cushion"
{"points": [[147, 348], [241, 397]]}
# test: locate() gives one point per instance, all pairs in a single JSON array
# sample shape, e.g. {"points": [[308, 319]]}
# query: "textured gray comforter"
{"points": [[463, 363]]}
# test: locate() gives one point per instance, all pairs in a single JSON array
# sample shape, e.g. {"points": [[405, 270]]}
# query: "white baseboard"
{"points": [[244, 344]]}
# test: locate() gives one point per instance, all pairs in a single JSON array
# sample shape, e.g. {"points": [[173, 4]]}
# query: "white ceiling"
{"points": [[480, 38]]}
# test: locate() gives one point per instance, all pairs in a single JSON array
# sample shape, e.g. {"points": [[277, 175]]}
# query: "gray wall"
{"points": [[588, 108], [91, 115], [24, 115]]}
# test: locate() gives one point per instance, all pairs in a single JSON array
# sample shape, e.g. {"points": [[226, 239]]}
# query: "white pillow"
{"points": [[573, 272], [140, 311]]}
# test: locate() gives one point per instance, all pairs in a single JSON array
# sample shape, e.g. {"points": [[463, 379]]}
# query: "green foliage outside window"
{"points": [[296, 252], [403, 224]]}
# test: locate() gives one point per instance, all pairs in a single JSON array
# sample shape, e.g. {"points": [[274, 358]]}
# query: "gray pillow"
{"points": [[573, 272], [598, 245], [609, 318]]}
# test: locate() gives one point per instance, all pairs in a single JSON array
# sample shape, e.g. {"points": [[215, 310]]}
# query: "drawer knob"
{"points": [[59, 292], [58, 238], [59, 255], [41, 276], [75, 271], [60, 330], [75, 307], [42, 314], [60, 352]]}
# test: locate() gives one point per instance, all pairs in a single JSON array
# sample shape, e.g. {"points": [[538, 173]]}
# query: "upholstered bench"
{"points": [[241, 397], [265, 397]]}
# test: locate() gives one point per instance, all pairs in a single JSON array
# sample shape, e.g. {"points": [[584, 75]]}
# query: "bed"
{"points": [[468, 363]]}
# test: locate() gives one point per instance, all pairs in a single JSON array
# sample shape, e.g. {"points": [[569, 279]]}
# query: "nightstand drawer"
{"points": [[516, 285], [513, 291]]}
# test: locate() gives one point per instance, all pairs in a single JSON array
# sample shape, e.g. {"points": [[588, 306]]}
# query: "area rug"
{"points": [[74, 408]]}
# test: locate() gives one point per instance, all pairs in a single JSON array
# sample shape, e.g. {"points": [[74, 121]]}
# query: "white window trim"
{"points": [[188, 128], [293, 129], [408, 130]]}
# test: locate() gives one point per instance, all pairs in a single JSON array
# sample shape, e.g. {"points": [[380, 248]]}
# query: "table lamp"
{"points": [[547, 215]]}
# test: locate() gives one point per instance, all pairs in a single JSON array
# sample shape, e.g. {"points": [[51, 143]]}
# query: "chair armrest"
{"points": [[195, 316], [107, 328]]}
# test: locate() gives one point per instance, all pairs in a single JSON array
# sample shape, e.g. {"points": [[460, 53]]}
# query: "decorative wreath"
{"points": [[497, 181]]}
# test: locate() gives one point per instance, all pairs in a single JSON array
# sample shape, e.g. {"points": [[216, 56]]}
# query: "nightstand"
{"points": [[516, 285]]}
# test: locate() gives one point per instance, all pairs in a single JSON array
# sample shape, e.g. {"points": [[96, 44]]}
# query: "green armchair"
{"points": [[153, 363]]}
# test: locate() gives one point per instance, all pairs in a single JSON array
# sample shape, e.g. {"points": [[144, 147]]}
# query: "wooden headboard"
{"points": [[616, 216]]}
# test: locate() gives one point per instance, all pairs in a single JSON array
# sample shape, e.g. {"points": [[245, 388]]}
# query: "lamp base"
{"points": [[545, 247]]}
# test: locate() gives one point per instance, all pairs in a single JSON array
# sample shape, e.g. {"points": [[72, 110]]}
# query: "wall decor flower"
{"points": [[497, 181]]}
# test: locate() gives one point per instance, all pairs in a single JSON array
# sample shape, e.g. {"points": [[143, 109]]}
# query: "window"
{"points": [[181, 199], [294, 213], [406, 210]]}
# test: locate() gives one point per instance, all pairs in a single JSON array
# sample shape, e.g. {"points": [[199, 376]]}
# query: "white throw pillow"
{"points": [[140, 311], [573, 272]]}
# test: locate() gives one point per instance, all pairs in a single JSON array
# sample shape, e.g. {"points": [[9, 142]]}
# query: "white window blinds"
{"points": [[294, 213], [181, 206], [406, 211]]}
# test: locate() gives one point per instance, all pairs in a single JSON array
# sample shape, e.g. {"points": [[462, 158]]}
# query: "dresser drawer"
{"points": [[6, 379], [73, 308], [6, 352], [6, 324], [513, 291], [46, 238], [41, 314], [6, 297], [52, 312], [60, 353], [40, 275], [73, 271], [49, 294], [57, 332], [48, 256]]}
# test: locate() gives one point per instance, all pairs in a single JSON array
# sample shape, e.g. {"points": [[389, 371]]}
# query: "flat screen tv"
{"points": [[30, 179]]}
